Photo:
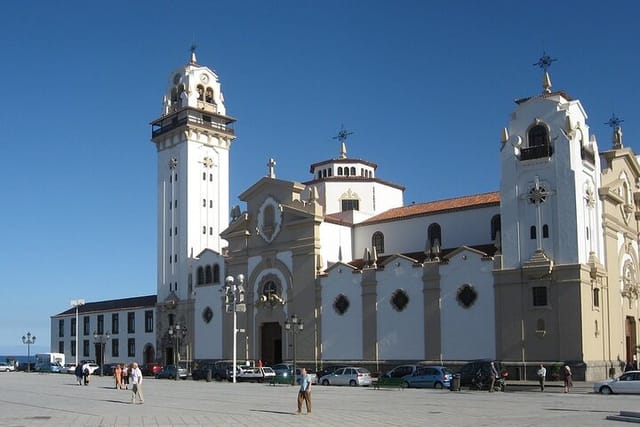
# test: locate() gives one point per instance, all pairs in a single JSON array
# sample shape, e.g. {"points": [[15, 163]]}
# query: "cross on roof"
{"points": [[545, 62], [342, 137]]}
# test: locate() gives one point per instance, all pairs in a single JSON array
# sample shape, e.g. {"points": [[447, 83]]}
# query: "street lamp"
{"points": [[175, 331], [234, 303], [77, 303], [28, 340], [294, 325], [102, 340]]}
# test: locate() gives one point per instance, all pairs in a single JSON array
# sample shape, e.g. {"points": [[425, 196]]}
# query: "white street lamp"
{"points": [[294, 325], [234, 303], [77, 303], [28, 340]]}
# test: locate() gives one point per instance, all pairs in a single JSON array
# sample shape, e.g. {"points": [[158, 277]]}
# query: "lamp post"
{"points": [[294, 325], [234, 303], [174, 332], [28, 340], [102, 340], [77, 303]]}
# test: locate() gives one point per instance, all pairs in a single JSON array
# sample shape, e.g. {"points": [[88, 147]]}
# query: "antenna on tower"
{"points": [[342, 137]]}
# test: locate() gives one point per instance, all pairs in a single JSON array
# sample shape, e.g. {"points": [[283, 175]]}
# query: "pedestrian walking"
{"points": [[136, 380], [117, 372], [125, 376], [568, 382], [542, 374], [493, 375], [86, 373], [305, 391], [78, 373]]}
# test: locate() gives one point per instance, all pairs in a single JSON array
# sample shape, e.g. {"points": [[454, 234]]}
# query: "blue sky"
{"points": [[425, 87]]}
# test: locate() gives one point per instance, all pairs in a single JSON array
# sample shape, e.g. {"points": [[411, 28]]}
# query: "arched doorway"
{"points": [[271, 351], [148, 354], [630, 339]]}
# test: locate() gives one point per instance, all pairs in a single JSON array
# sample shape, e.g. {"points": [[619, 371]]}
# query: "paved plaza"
{"points": [[55, 400]]}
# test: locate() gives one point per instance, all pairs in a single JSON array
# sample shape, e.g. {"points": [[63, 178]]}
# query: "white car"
{"points": [[627, 383], [69, 368], [93, 367], [5, 367], [351, 375]]}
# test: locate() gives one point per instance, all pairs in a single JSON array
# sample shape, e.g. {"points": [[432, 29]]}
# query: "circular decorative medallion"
{"points": [[466, 295], [399, 300]]}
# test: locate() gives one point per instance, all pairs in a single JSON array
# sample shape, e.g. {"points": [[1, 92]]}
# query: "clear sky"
{"points": [[425, 87]]}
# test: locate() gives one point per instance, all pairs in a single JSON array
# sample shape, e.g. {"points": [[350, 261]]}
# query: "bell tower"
{"points": [[550, 180], [193, 136]]}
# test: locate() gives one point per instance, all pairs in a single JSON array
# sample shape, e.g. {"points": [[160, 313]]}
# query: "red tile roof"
{"points": [[447, 205]]}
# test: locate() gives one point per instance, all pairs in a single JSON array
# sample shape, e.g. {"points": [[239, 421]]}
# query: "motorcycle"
{"points": [[483, 382]]}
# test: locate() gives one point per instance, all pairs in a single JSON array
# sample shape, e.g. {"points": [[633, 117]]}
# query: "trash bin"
{"points": [[208, 375], [455, 383]]}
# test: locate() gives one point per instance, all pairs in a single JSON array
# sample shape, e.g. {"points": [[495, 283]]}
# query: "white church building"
{"points": [[543, 270]]}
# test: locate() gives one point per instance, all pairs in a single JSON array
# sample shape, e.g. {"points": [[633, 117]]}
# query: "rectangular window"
{"points": [[61, 328], [596, 297], [60, 346], [73, 348], [100, 324], [539, 296], [148, 321], [86, 326], [350, 205], [115, 347], [72, 332], [131, 322], [131, 347], [85, 348], [115, 324]]}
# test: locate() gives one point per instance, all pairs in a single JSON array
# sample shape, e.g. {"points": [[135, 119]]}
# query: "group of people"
{"points": [[123, 374], [567, 377]]}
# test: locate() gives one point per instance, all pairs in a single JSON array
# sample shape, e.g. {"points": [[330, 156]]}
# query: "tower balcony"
{"points": [[192, 117], [536, 152]]}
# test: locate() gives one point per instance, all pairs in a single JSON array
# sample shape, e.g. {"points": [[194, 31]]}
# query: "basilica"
{"points": [[336, 268]]}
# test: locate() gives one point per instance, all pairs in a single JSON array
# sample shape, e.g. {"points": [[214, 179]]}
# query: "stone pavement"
{"points": [[29, 399]]}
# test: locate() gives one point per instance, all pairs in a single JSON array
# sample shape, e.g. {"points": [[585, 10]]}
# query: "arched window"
{"points": [[434, 236], [209, 95], [353, 170], [339, 170], [200, 276], [200, 89], [207, 274], [538, 136], [495, 226], [216, 273], [545, 231], [532, 232], [346, 171], [377, 241], [174, 95]]}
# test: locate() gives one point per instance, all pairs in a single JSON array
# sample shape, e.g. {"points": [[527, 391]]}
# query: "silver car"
{"points": [[350, 375], [627, 383]]}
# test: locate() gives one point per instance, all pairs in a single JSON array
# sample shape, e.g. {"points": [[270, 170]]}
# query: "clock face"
{"points": [[176, 79], [204, 78]]}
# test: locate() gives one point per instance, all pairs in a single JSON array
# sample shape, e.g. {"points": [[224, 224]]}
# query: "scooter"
{"points": [[481, 382]]}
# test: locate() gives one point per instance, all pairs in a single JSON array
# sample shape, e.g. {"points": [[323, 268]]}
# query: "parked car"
{"points": [[109, 368], [310, 373], [283, 369], [151, 369], [470, 371], [400, 371], [93, 367], [49, 367], [170, 372], [429, 377], [27, 366], [69, 368], [627, 383], [329, 370], [350, 375], [201, 372], [257, 374], [5, 367]]}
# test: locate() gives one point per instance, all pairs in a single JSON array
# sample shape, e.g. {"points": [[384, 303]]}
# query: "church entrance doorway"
{"points": [[630, 339], [149, 354], [271, 351]]}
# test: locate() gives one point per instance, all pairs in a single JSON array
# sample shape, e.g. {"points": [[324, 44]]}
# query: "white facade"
{"points": [[130, 324]]}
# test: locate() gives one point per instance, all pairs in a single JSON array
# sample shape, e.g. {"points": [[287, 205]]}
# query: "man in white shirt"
{"points": [[542, 374], [136, 380]]}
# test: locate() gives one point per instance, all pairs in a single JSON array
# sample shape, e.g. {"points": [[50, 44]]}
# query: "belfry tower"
{"points": [[193, 136]]}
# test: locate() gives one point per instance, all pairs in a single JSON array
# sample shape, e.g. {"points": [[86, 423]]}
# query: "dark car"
{"points": [[218, 371], [329, 370], [150, 369], [401, 371], [170, 372], [483, 367]]}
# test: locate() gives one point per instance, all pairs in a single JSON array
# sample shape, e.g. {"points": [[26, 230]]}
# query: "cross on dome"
{"points": [[342, 137], [545, 62]]}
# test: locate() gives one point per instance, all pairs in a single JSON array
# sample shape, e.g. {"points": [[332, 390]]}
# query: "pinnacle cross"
{"points": [[342, 137], [545, 62]]}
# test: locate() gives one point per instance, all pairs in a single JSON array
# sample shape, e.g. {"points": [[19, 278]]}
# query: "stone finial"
{"points": [[272, 168]]}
